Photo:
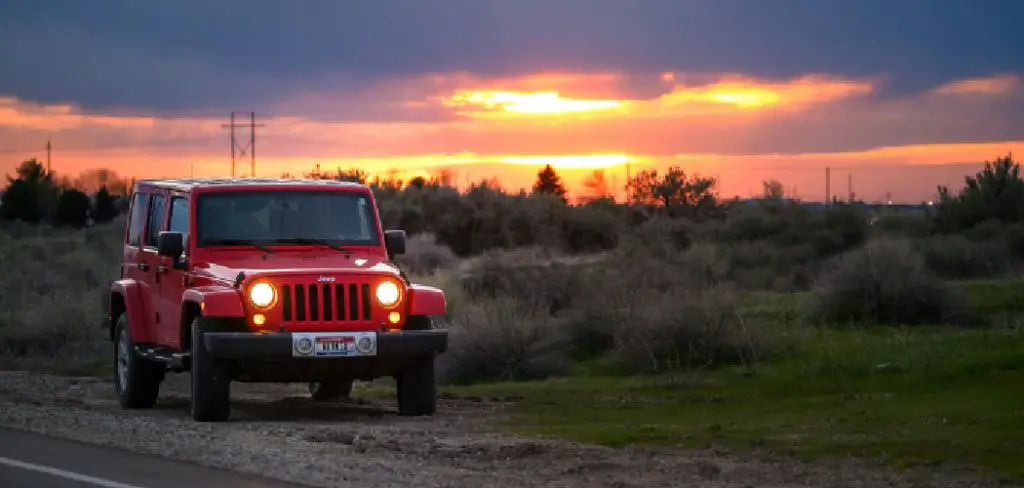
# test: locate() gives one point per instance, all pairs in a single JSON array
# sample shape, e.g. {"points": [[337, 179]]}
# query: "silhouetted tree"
{"points": [[773, 189], [417, 182], [354, 175], [597, 185], [30, 195], [104, 208], [676, 192], [549, 183], [20, 201], [994, 193], [73, 208], [90, 181], [31, 171], [443, 177]]}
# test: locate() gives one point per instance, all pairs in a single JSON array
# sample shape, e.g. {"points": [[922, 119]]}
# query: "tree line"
{"points": [[37, 195], [678, 204], [484, 216]]}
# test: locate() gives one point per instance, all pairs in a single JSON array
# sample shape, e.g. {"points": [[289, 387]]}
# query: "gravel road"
{"points": [[276, 432]]}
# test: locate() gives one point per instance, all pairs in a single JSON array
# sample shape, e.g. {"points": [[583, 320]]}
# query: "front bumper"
{"points": [[278, 345]]}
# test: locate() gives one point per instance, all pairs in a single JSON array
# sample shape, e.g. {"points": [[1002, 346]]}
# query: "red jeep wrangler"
{"points": [[264, 280]]}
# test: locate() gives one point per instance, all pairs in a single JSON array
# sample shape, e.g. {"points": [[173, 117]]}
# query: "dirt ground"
{"points": [[276, 431]]}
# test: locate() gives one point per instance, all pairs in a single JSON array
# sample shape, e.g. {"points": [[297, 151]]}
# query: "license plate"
{"points": [[334, 344]]}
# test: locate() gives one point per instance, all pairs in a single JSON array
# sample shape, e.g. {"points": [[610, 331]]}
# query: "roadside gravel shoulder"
{"points": [[276, 432]]}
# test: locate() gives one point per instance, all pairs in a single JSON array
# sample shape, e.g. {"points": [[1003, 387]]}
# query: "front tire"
{"points": [[417, 388], [136, 380], [417, 385], [211, 381], [328, 391]]}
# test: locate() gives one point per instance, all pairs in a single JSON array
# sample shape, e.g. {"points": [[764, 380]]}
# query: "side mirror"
{"points": [[170, 244], [394, 241]]}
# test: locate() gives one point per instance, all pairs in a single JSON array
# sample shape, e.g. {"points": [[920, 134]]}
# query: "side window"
{"points": [[364, 224], [179, 217], [157, 205], [138, 216]]}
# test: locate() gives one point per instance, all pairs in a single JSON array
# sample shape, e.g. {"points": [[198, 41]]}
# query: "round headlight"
{"points": [[262, 295], [388, 293]]}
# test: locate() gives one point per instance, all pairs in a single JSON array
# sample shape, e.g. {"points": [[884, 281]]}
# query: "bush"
{"points": [[885, 282], [423, 255], [501, 339], [53, 290], [534, 278], [73, 208], [683, 329], [994, 193], [956, 257]]}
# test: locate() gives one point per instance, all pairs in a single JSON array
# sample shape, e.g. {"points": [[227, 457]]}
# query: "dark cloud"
{"points": [[249, 54]]}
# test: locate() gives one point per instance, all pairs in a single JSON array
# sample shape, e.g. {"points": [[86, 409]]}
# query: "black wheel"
{"points": [[417, 385], [136, 379], [417, 388], [211, 381], [330, 390]]}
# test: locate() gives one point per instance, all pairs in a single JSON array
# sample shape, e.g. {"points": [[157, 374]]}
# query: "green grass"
{"points": [[906, 397], [999, 302]]}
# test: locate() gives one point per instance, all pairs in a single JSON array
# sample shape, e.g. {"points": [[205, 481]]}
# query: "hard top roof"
{"points": [[187, 184]]}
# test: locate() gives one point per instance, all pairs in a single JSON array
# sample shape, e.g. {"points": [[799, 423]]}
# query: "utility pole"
{"points": [[249, 148], [49, 148], [828, 185], [626, 187], [849, 187]]}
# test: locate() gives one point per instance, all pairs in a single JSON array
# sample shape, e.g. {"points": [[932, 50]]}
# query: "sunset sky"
{"points": [[899, 95]]}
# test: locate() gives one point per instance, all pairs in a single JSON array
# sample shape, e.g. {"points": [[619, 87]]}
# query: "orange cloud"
{"points": [[996, 85], [529, 103], [19, 114], [746, 93], [734, 92], [738, 127]]}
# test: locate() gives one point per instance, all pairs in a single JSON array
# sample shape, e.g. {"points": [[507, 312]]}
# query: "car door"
{"points": [[134, 265], [172, 281], [149, 260]]}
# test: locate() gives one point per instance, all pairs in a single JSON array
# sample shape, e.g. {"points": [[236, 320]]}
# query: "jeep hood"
{"points": [[226, 268]]}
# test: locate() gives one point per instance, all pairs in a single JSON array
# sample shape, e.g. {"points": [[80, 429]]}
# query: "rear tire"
{"points": [[328, 391], [211, 381], [136, 380]]}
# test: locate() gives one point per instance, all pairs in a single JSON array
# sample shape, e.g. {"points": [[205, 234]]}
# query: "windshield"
{"points": [[286, 217]]}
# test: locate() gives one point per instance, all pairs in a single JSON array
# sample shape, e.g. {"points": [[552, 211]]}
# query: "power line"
{"points": [[250, 147]]}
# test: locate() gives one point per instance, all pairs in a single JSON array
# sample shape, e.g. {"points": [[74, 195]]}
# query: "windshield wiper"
{"points": [[238, 242], [321, 242]]}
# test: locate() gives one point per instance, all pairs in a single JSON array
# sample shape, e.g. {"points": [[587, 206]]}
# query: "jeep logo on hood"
{"points": [[325, 279]]}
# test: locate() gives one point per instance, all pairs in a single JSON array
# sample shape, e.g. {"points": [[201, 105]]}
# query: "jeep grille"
{"points": [[326, 302]]}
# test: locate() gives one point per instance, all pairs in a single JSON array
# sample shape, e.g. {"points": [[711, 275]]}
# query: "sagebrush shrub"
{"points": [[542, 282], [500, 339], [958, 258], [884, 282], [53, 289], [424, 255], [682, 329]]}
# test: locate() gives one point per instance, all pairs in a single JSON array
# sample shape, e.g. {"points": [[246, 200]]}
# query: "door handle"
{"points": [[143, 266]]}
